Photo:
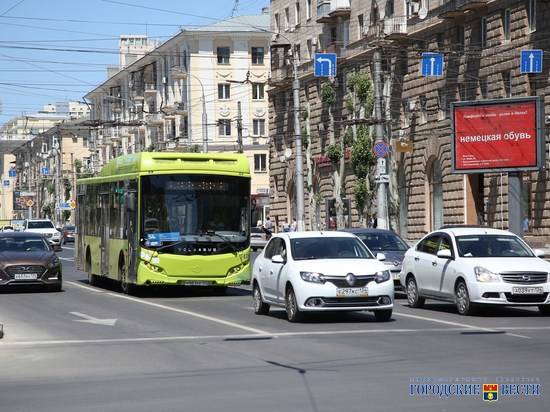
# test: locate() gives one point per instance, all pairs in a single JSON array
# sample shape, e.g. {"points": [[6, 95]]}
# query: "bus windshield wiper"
{"points": [[223, 238]]}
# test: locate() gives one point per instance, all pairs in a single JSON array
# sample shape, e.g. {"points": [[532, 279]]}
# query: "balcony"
{"points": [[150, 89], [458, 8], [327, 10], [154, 119], [178, 73], [395, 28]]}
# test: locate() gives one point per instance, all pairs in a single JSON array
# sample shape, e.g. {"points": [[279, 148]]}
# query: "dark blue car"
{"points": [[386, 242]]}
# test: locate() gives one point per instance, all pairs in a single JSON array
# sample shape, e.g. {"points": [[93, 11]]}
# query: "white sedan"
{"points": [[471, 266], [321, 271]]}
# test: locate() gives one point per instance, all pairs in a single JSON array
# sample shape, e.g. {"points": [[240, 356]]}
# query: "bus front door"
{"points": [[132, 234], [104, 228]]}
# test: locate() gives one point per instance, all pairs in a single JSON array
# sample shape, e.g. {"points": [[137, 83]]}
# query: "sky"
{"points": [[85, 34]]}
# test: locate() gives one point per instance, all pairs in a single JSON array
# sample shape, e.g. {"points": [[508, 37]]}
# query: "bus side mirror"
{"points": [[131, 202]]}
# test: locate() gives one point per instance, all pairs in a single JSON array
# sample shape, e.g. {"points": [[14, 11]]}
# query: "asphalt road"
{"points": [[94, 349]]}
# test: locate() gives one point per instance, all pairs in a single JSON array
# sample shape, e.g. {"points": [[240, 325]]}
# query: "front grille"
{"points": [[341, 282], [12, 270], [350, 302], [525, 278], [526, 298]]}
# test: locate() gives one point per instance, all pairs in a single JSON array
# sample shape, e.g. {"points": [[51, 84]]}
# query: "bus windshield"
{"points": [[193, 210]]}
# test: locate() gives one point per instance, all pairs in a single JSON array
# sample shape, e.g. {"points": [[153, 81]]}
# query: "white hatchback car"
{"points": [[321, 271], [476, 265]]}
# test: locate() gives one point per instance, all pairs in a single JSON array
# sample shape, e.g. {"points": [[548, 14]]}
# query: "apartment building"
{"points": [[481, 42], [352, 30], [185, 94], [47, 168]]}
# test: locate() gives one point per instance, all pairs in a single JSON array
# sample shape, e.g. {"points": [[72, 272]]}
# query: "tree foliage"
{"points": [[328, 94], [360, 83]]}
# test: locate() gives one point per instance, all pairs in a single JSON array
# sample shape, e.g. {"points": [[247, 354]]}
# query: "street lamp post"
{"points": [[204, 115]]}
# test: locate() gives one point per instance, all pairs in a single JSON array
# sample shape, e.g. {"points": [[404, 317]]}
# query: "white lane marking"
{"points": [[84, 287], [190, 313], [518, 336], [67, 247], [69, 259], [92, 320], [446, 322]]}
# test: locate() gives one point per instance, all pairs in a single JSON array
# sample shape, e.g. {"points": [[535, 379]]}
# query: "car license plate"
{"points": [[25, 276], [527, 291], [352, 292], [197, 283]]}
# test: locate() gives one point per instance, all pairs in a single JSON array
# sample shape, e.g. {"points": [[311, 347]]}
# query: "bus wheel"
{"points": [[126, 287]]}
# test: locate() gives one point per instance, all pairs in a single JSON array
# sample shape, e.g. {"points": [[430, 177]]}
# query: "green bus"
{"points": [[166, 219]]}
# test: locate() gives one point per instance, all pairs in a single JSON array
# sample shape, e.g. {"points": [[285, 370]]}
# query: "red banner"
{"points": [[495, 136]]}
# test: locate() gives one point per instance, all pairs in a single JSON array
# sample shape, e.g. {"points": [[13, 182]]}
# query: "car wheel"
{"points": [[463, 304], [414, 299], [544, 310], [293, 313], [260, 307], [383, 315]]}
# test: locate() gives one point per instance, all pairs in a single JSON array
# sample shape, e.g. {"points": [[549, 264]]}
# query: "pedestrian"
{"points": [[286, 226], [268, 224], [293, 225]]}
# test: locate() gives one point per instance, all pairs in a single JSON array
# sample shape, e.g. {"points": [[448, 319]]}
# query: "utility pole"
{"points": [[381, 166], [239, 128], [298, 143]]}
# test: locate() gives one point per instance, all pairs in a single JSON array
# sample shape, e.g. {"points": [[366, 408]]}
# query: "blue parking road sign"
{"points": [[325, 64], [432, 64], [12, 173], [6, 183], [531, 61], [45, 171]]}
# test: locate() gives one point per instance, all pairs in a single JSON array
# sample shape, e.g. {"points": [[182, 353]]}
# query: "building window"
{"points": [[309, 45], [257, 55], [507, 79], [258, 127], [257, 91], [287, 19], [483, 32], [277, 23], [308, 9], [296, 14], [223, 55], [442, 102], [360, 27], [224, 91], [483, 87], [460, 37], [423, 107], [406, 113], [532, 15], [440, 40], [224, 127], [260, 162], [506, 17]]}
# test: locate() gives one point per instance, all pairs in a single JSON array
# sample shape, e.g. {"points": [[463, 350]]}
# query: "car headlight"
{"points": [[54, 262], [485, 275], [313, 277], [382, 276]]}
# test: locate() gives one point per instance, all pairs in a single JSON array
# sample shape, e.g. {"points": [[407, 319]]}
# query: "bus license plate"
{"points": [[197, 283], [351, 292], [527, 291], [25, 276]]}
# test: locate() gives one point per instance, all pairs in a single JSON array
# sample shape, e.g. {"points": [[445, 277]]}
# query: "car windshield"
{"points": [[491, 246], [383, 241], [22, 244], [45, 224], [328, 248], [195, 210], [69, 228]]}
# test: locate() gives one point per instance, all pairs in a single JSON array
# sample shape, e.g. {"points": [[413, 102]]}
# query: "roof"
{"points": [[463, 231], [301, 235], [21, 234], [252, 23], [367, 230], [229, 163]]}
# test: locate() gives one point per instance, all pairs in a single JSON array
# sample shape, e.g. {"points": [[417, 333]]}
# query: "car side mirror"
{"points": [[444, 254], [278, 259], [539, 253], [381, 257]]}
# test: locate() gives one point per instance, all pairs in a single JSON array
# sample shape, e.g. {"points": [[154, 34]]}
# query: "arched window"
{"points": [[435, 199]]}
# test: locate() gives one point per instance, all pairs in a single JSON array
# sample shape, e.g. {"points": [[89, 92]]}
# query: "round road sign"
{"points": [[381, 149]]}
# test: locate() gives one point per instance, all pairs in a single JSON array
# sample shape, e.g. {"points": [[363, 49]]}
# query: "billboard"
{"points": [[497, 135]]}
